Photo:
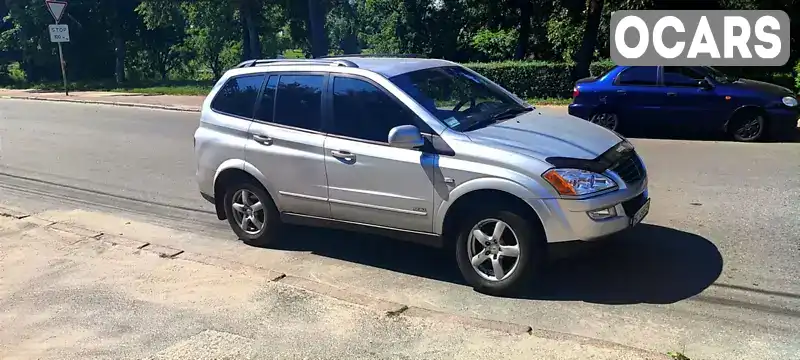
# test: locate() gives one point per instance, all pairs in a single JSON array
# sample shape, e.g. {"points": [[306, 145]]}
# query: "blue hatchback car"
{"points": [[685, 99]]}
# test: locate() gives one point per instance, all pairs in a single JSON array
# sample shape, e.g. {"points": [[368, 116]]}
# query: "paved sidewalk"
{"points": [[166, 102], [69, 292]]}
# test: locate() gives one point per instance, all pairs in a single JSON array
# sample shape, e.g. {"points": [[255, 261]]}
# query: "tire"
{"points": [[608, 120], [268, 215], [741, 126], [532, 248]]}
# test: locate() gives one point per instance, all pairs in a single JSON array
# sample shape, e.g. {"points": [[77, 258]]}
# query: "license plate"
{"points": [[637, 218]]}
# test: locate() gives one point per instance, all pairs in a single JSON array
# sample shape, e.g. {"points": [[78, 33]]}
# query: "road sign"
{"points": [[56, 8], [59, 33]]}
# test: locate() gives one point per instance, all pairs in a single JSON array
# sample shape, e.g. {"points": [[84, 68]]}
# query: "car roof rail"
{"points": [[331, 62], [415, 56]]}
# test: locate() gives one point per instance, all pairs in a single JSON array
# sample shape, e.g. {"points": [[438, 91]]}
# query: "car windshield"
{"points": [[717, 75], [458, 98]]}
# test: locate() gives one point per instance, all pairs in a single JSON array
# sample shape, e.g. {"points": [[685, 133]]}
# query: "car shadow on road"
{"points": [[647, 264]]}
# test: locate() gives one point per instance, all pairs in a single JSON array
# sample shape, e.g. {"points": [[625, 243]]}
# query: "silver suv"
{"points": [[418, 149]]}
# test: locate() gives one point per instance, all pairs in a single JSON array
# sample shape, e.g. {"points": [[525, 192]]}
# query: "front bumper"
{"points": [[568, 220], [782, 122]]}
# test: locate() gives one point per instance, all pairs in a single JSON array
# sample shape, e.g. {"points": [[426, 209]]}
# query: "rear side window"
{"points": [[238, 95], [298, 101], [638, 75]]}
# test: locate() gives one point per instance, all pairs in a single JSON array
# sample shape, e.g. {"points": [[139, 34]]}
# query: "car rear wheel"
{"points": [[606, 119], [747, 126], [499, 251], [251, 213]]}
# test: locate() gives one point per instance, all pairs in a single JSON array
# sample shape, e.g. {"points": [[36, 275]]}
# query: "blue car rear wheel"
{"points": [[606, 119]]}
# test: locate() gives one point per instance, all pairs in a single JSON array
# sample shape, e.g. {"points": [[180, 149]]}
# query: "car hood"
{"points": [[547, 135], [762, 87]]}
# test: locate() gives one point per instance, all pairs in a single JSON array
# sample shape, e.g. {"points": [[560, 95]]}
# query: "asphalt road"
{"points": [[712, 272]]}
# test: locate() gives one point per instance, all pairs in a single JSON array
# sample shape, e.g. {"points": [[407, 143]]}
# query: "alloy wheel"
{"points": [[606, 120], [750, 128], [248, 211], [493, 249]]}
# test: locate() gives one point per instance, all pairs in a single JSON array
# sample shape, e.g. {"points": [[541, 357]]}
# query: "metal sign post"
{"points": [[59, 34]]}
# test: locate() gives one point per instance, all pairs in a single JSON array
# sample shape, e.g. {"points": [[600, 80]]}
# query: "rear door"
{"points": [[286, 142], [638, 98], [689, 106]]}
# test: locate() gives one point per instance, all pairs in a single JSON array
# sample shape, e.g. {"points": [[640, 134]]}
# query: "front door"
{"points": [[691, 107], [286, 142], [638, 99], [370, 182]]}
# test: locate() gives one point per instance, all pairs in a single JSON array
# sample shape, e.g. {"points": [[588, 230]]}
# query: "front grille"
{"points": [[633, 205], [629, 168]]}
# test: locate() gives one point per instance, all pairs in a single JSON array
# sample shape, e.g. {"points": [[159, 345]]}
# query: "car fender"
{"points": [[249, 168], [742, 108], [489, 183]]}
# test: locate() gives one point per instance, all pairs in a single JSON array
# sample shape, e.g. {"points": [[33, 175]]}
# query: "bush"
{"points": [[495, 45], [797, 77], [535, 79]]}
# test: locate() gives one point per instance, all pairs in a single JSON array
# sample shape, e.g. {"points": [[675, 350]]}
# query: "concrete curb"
{"points": [[101, 102], [387, 308]]}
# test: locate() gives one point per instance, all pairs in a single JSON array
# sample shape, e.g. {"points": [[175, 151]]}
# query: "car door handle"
{"points": [[263, 139], [343, 154], [621, 92], [672, 94]]}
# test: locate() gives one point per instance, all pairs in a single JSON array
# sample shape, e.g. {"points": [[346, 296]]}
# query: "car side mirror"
{"points": [[704, 84], [406, 137]]}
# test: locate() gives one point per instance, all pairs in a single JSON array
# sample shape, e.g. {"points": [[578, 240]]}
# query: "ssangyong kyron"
{"points": [[423, 150]]}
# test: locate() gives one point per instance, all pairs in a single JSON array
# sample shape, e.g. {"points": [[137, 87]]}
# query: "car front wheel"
{"points": [[747, 126], [499, 251]]}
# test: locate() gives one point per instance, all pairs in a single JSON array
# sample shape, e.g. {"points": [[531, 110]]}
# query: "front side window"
{"points": [[363, 111], [238, 95], [717, 75], [298, 101], [638, 75], [457, 97], [681, 76]]}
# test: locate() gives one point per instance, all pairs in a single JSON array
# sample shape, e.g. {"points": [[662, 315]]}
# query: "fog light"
{"points": [[602, 213]]}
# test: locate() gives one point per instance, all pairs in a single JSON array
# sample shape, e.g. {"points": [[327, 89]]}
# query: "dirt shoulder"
{"points": [[72, 292]]}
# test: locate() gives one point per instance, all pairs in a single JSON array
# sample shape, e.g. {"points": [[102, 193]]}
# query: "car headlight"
{"points": [[789, 101], [577, 182]]}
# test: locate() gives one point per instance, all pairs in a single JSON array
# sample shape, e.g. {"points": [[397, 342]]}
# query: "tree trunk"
{"points": [[251, 42], [119, 43], [349, 44], [119, 54], [525, 10], [583, 59], [246, 55], [317, 34], [216, 68]]}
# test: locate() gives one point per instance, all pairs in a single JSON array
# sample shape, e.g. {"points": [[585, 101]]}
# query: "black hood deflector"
{"points": [[599, 164]]}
